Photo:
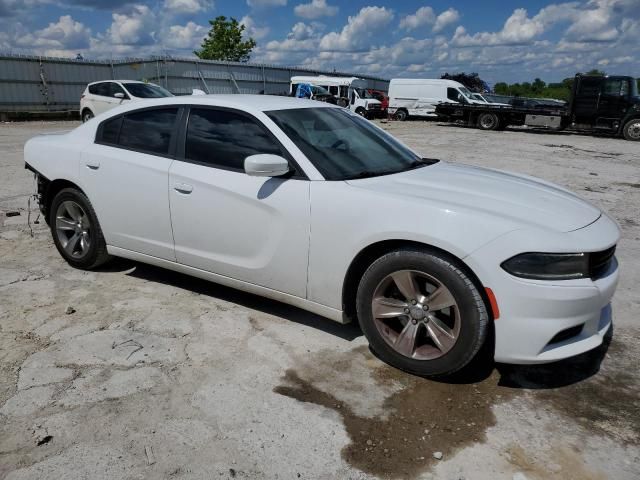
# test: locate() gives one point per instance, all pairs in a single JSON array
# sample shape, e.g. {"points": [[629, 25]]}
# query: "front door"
{"points": [[253, 229], [614, 99], [125, 175]]}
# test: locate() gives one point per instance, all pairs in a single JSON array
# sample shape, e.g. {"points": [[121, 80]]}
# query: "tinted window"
{"points": [[110, 130], [224, 139], [590, 87], [100, 89], [149, 130], [616, 88], [115, 88], [147, 90]]}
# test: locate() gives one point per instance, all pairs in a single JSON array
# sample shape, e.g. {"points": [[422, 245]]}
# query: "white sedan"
{"points": [[311, 205]]}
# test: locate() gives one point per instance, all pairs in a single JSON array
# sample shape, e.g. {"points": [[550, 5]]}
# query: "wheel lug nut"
{"points": [[414, 321], [425, 308], [413, 302], [406, 310]]}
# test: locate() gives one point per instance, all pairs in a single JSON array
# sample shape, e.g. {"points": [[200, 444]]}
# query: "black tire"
{"points": [[488, 121], [473, 315], [96, 254], [87, 115], [362, 112], [631, 130], [401, 115]]}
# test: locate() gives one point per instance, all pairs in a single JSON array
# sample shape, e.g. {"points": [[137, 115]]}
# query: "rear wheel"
{"points": [[421, 312], [401, 115], [86, 115], [488, 121], [76, 231], [362, 112], [631, 130]]}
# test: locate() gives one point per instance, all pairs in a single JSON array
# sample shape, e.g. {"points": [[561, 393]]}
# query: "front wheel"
{"points": [[631, 130], [488, 121], [76, 231], [421, 312]]}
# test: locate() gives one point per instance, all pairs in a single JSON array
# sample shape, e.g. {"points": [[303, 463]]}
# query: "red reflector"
{"points": [[493, 302]]}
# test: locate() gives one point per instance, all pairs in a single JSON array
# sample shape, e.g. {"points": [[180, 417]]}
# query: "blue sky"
{"points": [[501, 40]]}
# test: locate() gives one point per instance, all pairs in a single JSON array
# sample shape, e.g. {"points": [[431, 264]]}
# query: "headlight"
{"points": [[548, 266]]}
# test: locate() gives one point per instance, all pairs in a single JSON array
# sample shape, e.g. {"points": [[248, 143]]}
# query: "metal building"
{"points": [[46, 84]]}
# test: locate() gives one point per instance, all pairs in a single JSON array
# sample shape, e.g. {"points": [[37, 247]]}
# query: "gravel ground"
{"points": [[134, 372]]}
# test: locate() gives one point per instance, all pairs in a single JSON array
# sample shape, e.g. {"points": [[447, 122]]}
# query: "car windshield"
{"points": [[343, 145], [147, 90], [465, 92], [364, 94]]}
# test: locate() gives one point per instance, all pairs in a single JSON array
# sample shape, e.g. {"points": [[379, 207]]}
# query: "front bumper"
{"points": [[543, 321]]}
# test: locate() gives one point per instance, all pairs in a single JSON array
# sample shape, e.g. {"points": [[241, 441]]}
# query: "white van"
{"points": [[419, 96], [350, 92]]}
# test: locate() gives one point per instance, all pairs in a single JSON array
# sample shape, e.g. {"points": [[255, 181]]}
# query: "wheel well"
{"points": [[368, 255], [49, 192], [85, 109]]}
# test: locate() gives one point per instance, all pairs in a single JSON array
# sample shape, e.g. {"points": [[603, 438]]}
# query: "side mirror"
{"points": [[266, 165], [119, 95]]}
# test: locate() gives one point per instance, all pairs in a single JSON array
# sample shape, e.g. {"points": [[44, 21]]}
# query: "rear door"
{"points": [[125, 175], [100, 97], [254, 229]]}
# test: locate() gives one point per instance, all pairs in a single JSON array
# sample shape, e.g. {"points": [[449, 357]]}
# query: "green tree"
{"points": [[596, 72], [224, 42]]}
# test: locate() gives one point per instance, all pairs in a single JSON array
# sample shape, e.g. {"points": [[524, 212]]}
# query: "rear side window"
{"points": [[111, 130], [224, 139], [101, 89], [149, 130]]}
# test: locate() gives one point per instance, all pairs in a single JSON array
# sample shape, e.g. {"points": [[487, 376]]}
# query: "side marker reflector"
{"points": [[493, 302]]}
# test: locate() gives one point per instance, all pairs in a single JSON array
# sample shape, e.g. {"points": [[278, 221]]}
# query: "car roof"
{"points": [[261, 103], [121, 81]]}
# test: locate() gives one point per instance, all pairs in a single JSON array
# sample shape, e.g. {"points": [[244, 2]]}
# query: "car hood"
{"points": [[525, 200]]}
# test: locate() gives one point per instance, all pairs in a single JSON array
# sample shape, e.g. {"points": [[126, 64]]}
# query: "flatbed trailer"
{"points": [[598, 105]]}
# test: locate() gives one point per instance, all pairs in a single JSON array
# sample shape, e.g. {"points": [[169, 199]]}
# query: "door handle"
{"points": [[183, 188], [93, 164]]}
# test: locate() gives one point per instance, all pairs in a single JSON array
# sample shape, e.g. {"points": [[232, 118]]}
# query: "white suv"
{"points": [[99, 97]]}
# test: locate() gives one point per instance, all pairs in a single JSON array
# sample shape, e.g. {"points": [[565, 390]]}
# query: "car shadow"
{"points": [[151, 273], [535, 377]]}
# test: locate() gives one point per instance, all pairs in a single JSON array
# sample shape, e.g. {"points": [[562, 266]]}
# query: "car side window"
{"points": [[148, 130], [223, 139], [111, 131], [115, 88], [101, 89]]}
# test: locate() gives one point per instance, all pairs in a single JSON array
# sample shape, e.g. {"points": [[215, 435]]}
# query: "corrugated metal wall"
{"points": [[39, 84]]}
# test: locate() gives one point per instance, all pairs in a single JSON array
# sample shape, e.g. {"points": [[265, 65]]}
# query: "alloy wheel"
{"points": [[73, 229], [416, 314]]}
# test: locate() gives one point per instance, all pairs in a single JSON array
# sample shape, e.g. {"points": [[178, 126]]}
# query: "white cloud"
{"points": [[445, 19], [301, 38], [359, 30], [266, 3], [64, 35], [187, 6], [137, 27], [423, 16], [251, 30], [187, 36], [518, 29], [315, 9]]}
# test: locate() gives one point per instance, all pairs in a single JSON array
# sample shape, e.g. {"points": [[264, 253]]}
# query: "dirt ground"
{"points": [[133, 372]]}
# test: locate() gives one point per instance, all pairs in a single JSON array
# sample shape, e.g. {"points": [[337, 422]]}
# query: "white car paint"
{"points": [[99, 103], [293, 239]]}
